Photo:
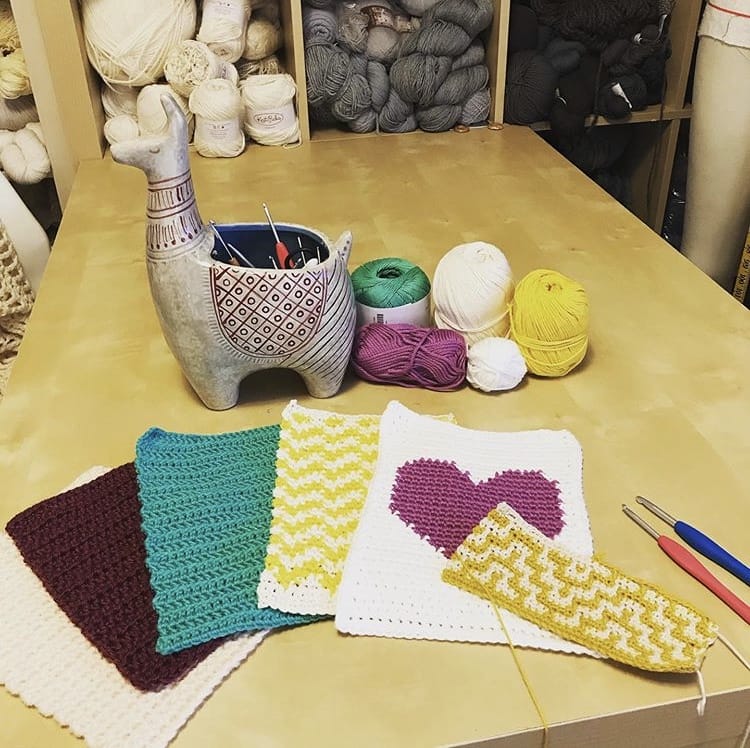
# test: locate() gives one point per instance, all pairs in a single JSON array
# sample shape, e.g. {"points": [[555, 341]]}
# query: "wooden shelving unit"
{"points": [[67, 92]]}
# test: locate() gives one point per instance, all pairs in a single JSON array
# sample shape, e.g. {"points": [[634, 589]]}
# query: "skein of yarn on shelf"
{"points": [[471, 289], [23, 155], [269, 117], [128, 43], [217, 107], [16, 113], [263, 38], [224, 26], [191, 62], [14, 75], [152, 119]]}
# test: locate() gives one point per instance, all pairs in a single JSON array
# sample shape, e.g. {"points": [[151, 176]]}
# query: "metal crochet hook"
{"points": [[700, 542], [687, 561], [282, 253]]}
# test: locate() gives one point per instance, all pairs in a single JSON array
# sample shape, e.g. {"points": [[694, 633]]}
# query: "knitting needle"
{"points": [[212, 224], [687, 561], [281, 251], [240, 255], [273, 262], [700, 542]]}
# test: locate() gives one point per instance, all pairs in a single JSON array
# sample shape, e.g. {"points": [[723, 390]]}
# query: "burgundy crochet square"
{"points": [[86, 545]]}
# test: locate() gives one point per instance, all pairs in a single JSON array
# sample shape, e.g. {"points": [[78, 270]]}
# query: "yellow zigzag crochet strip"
{"points": [[324, 465], [511, 564]]}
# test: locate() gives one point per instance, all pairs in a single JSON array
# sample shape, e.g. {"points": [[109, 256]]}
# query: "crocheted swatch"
{"points": [[86, 546], [206, 511], [510, 563], [323, 467], [431, 482], [49, 664]]}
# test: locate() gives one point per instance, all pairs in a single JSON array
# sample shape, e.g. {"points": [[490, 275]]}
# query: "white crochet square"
{"points": [[391, 583]]}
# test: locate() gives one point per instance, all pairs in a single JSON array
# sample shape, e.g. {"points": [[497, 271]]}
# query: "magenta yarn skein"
{"points": [[410, 356]]}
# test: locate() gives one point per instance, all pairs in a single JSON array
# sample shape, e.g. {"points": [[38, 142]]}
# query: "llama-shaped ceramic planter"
{"points": [[223, 321]]}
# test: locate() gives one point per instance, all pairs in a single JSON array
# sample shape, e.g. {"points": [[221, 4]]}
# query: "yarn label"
{"points": [[417, 313], [229, 10], [208, 131], [379, 15], [271, 120]]}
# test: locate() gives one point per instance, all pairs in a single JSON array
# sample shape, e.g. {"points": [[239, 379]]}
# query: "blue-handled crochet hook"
{"points": [[700, 542]]}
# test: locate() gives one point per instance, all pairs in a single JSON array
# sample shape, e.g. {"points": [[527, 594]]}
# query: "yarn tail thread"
{"points": [[410, 356]]}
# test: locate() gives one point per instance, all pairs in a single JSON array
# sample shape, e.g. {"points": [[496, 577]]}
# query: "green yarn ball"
{"points": [[389, 282]]}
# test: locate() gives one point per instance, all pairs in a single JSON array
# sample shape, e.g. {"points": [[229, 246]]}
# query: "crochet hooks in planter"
{"points": [[687, 561], [282, 253], [700, 542]]}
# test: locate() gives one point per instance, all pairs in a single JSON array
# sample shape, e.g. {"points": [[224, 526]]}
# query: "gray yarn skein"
{"points": [[474, 55], [322, 4], [397, 115], [352, 29], [366, 122], [461, 84], [380, 84], [319, 25], [476, 108], [473, 16], [438, 118], [440, 38], [416, 77]]}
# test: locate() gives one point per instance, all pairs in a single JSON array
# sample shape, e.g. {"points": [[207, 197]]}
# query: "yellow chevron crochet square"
{"points": [[324, 465], [515, 567]]}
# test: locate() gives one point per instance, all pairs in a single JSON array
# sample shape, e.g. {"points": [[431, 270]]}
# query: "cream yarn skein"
{"points": [[223, 27], [262, 39], [14, 75], [192, 62], [267, 66], [152, 119], [269, 117], [24, 159], [495, 364], [9, 39], [128, 42], [217, 106], [120, 128], [472, 288], [117, 100]]}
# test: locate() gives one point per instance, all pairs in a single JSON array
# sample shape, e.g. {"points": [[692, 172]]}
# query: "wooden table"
{"points": [[660, 408]]}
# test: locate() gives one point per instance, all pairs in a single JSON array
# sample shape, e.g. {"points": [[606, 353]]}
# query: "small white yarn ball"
{"points": [[152, 119], [472, 288], [121, 128], [128, 42], [495, 364], [24, 159], [117, 100], [223, 27], [217, 107], [262, 39]]}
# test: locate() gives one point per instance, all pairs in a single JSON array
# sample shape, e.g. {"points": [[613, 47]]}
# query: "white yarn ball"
{"points": [[495, 364], [121, 128], [118, 100], [128, 42], [16, 113], [223, 27], [217, 106], [25, 159], [269, 117], [262, 39], [472, 288], [6, 138], [152, 119], [192, 62]]}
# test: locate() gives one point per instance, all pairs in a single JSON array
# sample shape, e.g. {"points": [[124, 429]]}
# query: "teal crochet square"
{"points": [[206, 511]]}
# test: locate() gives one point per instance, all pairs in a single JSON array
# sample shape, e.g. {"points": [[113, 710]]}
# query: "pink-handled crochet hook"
{"points": [[687, 561]]}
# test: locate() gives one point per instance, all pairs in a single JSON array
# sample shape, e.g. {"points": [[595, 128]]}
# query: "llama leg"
{"points": [[218, 390], [324, 383]]}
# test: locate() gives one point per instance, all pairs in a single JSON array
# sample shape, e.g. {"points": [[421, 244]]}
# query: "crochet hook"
{"points": [[282, 253], [700, 542], [687, 561]]}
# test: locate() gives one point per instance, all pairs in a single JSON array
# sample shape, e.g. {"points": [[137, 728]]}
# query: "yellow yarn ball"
{"points": [[549, 320]]}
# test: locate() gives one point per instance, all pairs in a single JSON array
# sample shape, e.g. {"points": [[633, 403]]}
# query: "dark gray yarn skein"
{"points": [[438, 118], [461, 84], [397, 115], [417, 77], [474, 55], [473, 16], [476, 108], [529, 87]]}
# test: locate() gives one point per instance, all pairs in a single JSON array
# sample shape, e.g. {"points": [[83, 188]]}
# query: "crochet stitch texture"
{"points": [[392, 586], [206, 511], [86, 547], [508, 562], [49, 665]]}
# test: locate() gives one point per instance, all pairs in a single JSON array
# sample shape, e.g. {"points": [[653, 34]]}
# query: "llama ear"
{"points": [[175, 117], [343, 245]]}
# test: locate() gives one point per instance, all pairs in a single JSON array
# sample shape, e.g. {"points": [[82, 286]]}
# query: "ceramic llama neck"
{"points": [[172, 218]]}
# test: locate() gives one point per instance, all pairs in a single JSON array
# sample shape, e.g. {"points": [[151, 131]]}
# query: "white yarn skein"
{"points": [[192, 62], [16, 113], [223, 27], [120, 128], [25, 159], [472, 288], [14, 75], [262, 39], [217, 106], [118, 100], [495, 364], [6, 138], [9, 39], [152, 119], [128, 43], [269, 117]]}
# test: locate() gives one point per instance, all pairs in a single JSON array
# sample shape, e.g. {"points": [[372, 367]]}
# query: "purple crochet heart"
{"points": [[442, 504]]}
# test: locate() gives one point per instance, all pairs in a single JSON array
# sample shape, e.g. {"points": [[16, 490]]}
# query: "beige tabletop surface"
{"points": [[659, 406]]}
